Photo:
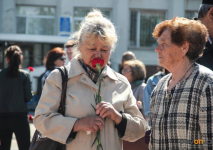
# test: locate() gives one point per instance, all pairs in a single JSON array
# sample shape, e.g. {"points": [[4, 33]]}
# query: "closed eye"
{"points": [[105, 51]]}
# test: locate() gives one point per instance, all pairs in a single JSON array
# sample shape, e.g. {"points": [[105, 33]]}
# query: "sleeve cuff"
{"points": [[72, 135], [121, 127]]}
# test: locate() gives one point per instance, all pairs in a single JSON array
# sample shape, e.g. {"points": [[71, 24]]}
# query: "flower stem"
{"points": [[98, 99]]}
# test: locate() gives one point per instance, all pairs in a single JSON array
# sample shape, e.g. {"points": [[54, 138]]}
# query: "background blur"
{"points": [[39, 25]]}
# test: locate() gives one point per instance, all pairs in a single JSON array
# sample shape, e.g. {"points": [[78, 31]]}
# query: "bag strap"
{"points": [[64, 77]]}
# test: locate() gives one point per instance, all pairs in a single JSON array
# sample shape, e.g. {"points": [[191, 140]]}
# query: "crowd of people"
{"points": [[171, 109]]}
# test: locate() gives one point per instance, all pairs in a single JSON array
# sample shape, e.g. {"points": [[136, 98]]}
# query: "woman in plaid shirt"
{"points": [[181, 103]]}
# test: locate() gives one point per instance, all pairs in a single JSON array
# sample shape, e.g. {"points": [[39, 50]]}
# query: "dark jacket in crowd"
{"points": [[41, 81], [207, 58], [14, 93], [39, 85]]}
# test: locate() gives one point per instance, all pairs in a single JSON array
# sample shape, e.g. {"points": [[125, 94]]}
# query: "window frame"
{"points": [[139, 11], [36, 16], [194, 11], [89, 9]]}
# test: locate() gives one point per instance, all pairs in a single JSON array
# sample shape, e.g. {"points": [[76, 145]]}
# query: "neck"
{"points": [[179, 72]]}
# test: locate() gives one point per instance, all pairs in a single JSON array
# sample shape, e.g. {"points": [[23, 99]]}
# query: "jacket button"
{"points": [[84, 79]]}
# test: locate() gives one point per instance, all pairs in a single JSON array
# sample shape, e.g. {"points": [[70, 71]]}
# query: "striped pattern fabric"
{"points": [[183, 120]]}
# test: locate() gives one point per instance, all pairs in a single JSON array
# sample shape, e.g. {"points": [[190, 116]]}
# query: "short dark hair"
{"points": [[128, 56], [71, 43], [203, 10]]}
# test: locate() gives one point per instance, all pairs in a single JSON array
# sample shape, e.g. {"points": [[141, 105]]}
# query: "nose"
{"points": [[157, 49], [98, 54]]}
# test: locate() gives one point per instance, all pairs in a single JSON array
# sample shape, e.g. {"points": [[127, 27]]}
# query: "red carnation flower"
{"points": [[97, 61], [30, 118], [31, 68]]}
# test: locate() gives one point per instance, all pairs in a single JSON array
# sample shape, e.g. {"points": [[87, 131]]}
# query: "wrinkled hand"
{"points": [[106, 109], [91, 123]]}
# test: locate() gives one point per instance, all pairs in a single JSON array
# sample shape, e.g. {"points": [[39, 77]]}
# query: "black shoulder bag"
{"points": [[40, 142]]}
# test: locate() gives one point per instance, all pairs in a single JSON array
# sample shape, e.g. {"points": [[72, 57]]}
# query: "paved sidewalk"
{"points": [[14, 145]]}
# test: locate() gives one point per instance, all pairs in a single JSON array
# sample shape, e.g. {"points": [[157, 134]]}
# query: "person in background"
{"points": [[150, 85], [135, 72], [123, 121], [54, 58], [69, 48], [126, 56], [205, 15], [15, 92], [182, 101]]}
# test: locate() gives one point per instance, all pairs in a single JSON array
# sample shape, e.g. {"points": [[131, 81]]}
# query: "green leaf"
{"points": [[93, 107], [101, 146], [94, 141]]}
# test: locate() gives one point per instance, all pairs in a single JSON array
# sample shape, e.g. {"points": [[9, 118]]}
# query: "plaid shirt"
{"points": [[187, 115]]}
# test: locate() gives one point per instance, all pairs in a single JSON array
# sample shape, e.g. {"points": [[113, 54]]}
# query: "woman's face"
{"points": [[168, 53], [60, 61], [94, 49], [127, 72]]}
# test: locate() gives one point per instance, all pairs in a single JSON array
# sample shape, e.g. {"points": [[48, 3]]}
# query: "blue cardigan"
{"points": [[150, 85]]}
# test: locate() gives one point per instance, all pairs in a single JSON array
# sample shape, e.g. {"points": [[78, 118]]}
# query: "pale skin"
{"points": [[104, 109], [173, 58], [69, 53], [59, 62], [128, 73]]}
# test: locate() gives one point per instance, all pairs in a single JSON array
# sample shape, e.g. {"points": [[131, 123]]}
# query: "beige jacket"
{"points": [[80, 95]]}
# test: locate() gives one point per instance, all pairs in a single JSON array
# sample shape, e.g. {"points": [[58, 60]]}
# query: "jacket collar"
{"points": [[75, 69]]}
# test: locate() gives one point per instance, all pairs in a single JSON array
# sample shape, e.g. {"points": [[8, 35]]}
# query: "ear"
{"points": [[185, 48], [7, 60], [80, 46], [210, 14]]}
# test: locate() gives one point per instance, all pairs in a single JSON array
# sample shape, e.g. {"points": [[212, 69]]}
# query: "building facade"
{"points": [[38, 26]]}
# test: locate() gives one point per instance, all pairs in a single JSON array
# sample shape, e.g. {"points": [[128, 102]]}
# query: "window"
{"points": [[191, 14], [142, 24], [33, 53], [35, 20], [80, 13]]}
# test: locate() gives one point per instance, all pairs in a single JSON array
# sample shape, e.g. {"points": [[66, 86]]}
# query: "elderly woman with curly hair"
{"points": [[182, 102]]}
